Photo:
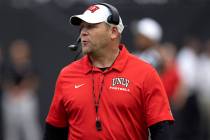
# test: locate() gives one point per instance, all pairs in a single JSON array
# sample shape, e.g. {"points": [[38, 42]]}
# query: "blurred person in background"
{"points": [[107, 94], [169, 72], [147, 36], [203, 87], [162, 56], [147, 41], [20, 106], [1, 82], [187, 60], [171, 79], [187, 103]]}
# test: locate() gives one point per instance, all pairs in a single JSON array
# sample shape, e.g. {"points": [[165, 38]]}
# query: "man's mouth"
{"points": [[84, 43]]}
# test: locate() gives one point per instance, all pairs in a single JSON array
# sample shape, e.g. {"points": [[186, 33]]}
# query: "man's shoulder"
{"points": [[138, 63], [75, 66]]}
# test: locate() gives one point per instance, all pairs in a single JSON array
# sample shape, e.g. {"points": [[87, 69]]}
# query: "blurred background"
{"points": [[34, 35]]}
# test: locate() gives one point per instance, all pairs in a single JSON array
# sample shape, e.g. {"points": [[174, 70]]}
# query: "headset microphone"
{"points": [[75, 46]]}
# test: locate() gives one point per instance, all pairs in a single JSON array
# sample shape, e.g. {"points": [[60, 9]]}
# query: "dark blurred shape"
{"points": [[1, 69], [140, 2]]}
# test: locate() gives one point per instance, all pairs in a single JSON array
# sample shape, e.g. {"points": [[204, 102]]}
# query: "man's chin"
{"points": [[85, 51]]}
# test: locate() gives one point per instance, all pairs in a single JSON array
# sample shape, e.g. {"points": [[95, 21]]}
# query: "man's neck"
{"points": [[106, 58]]}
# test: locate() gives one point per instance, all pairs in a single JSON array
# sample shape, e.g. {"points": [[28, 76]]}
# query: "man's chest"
{"points": [[108, 90]]}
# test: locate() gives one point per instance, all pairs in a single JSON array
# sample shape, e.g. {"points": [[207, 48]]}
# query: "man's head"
{"points": [[100, 27]]}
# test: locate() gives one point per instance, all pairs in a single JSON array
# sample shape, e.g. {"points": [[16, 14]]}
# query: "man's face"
{"points": [[94, 37]]}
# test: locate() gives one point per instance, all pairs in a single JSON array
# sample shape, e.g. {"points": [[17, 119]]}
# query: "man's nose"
{"points": [[84, 32]]}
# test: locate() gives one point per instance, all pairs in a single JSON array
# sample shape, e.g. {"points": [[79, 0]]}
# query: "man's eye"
{"points": [[90, 26]]}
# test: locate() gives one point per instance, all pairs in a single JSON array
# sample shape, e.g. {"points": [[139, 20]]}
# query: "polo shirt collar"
{"points": [[118, 65]]}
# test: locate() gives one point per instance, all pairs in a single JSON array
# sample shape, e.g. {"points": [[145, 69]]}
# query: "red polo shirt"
{"points": [[132, 99]]}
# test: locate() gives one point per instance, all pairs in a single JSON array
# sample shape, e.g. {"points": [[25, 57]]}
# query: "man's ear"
{"points": [[114, 33]]}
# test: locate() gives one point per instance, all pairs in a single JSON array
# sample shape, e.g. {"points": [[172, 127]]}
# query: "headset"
{"points": [[114, 18]]}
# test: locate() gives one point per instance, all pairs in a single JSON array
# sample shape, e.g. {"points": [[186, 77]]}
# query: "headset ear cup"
{"points": [[109, 19], [114, 17]]}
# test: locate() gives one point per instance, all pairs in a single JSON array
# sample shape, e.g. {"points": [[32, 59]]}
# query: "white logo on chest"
{"points": [[120, 81]]}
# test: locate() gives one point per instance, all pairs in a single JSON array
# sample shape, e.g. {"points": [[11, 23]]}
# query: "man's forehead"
{"points": [[85, 23]]}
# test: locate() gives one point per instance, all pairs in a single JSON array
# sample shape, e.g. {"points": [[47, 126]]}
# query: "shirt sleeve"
{"points": [[161, 131], [57, 115], [55, 133], [157, 106]]}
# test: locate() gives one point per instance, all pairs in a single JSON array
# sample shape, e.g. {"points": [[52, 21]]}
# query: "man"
{"points": [[108, 93]]}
